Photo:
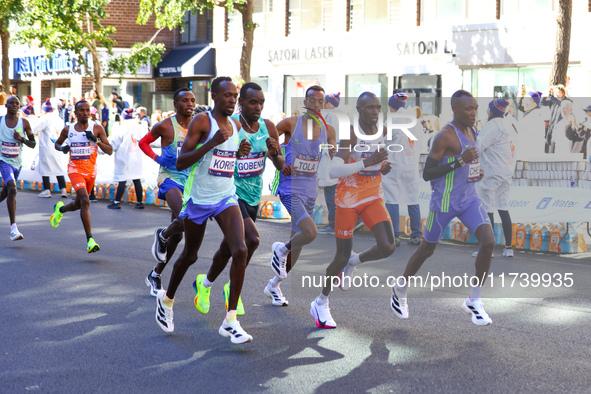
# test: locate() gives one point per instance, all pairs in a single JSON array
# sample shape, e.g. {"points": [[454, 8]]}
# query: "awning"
{"points": [[188, 62]]}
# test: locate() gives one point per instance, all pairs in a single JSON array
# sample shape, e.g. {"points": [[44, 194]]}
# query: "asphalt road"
{"points": [[78, 322]]}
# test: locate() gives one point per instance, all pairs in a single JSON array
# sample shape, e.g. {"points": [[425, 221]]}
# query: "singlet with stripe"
{"points": [[12, 149], [304, 157], [82, 152], [212, 178], [452, 191], [174, 148], [365, 185], [248, 174]]}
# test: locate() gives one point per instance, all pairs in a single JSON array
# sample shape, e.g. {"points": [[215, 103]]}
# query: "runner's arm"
{"points": [[432, 168], [284, 128], [278, 159], [198, 132], [338, 168], [103, 141], [31, 138]]}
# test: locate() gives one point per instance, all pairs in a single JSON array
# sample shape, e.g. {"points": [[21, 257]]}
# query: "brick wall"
{"points": [[45, 91]]}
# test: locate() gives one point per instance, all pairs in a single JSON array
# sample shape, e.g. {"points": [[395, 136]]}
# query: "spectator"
{"points": [[118, 105], [51, 161], [401, 184], [14, 92], [30, 103], [497, 161], [553, 101], [144, 117], [578, 133], [157, 116], [96, 102], [531, 127], [563, 145]]}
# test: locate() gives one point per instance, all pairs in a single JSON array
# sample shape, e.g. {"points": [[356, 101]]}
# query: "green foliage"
{"points": [[77, 26], [9, 10]]}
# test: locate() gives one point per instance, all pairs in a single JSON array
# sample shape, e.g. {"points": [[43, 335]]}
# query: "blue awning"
{"points": [[196, 61]]}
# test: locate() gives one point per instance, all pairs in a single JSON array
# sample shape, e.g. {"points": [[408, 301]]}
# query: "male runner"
{"points": [[297, 185], [12, 137], [359, 165], [210, 149], [83, 138], [452, 167], [171, 182], [248, 178]]}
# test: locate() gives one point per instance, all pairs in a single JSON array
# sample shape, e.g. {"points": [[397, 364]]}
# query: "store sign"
{"points": [[413, 48], [302, 55], [58, 64]]}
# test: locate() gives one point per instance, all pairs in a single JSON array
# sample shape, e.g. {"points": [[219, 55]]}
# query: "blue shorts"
{"points": [[199, 213], [473, 216], [299, 207], [8, 172], [166, 186]]}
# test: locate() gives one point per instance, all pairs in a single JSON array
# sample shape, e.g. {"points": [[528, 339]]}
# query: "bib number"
{"points": [[473, 171], [179, 145], [11, 149], [371, 170], [251, 165], [305, 165], [222, 163], [80, 151]]}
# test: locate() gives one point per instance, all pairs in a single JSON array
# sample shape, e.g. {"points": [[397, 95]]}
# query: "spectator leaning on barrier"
{"points": [[531, 126], [563, 145], [578, 133], [555, 96], [497, 159]]}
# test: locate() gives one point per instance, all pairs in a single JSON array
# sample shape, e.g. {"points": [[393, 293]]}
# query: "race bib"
{"points": [[371, 170], [11, 149], [179, 145], [305, 165], [80, 151], [251, 165], [473, 171], [222, 163]]}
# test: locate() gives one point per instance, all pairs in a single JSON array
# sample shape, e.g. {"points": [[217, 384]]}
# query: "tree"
{"points": [[170, 14], [560, 63], [9, 10], [76, 26]]}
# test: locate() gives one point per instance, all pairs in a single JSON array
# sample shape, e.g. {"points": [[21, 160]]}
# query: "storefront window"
{"points": [[199, 89], [375, 83], [367, 13], [423, 91], [234, 23], [305, 15], [294, 90], [513, 8], [198, 28]]}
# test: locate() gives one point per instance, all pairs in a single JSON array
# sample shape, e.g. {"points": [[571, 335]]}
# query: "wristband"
{"points": [[461, 161]]}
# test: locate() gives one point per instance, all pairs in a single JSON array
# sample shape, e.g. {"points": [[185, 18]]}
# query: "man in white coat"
{"points": [[51, 161], [401, 185], [128, 157], [497, 159], [532, 128]]}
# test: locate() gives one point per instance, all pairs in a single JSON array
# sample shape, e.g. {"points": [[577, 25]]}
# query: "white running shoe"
{"points": [[321, 313], [15, 235], [276, 295], [234, 332], [154, 283], [45, 194], [475, 254], [163, 314], [347, 274], [159, 246], [508, 252], [399, 305], [279, 260], [476, 309], [64, 193]]}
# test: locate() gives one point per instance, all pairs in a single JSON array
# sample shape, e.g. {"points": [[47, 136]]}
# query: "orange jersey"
{"points": [[82, 152], [363, 186]]}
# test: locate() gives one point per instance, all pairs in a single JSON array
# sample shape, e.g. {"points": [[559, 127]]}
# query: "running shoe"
{"points": [[326, 230], [93, 199], [508, 252], [163, 313], [234, 332], [414, 241], [201, 294], [139, 205], [275, 294], [159, 246], [154, 283], [64, 193], [399, 305], [347, 274], [321, 313], [397, 242], [278, 260], [92, 246], [44, 194], [114, 205], [239, 307], [56, 218], [476, 254], [476, 309], [15, 235]]}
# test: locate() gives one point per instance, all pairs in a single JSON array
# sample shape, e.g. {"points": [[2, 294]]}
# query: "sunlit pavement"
{"points": [[79, 322]]}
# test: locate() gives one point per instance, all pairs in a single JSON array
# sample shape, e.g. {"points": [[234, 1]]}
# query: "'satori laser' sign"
{"points": [[308, 54]]}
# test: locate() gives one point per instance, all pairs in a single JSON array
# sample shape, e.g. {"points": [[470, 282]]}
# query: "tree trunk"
{"points": [[560, 63], [5, 38], [248, 27]]}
